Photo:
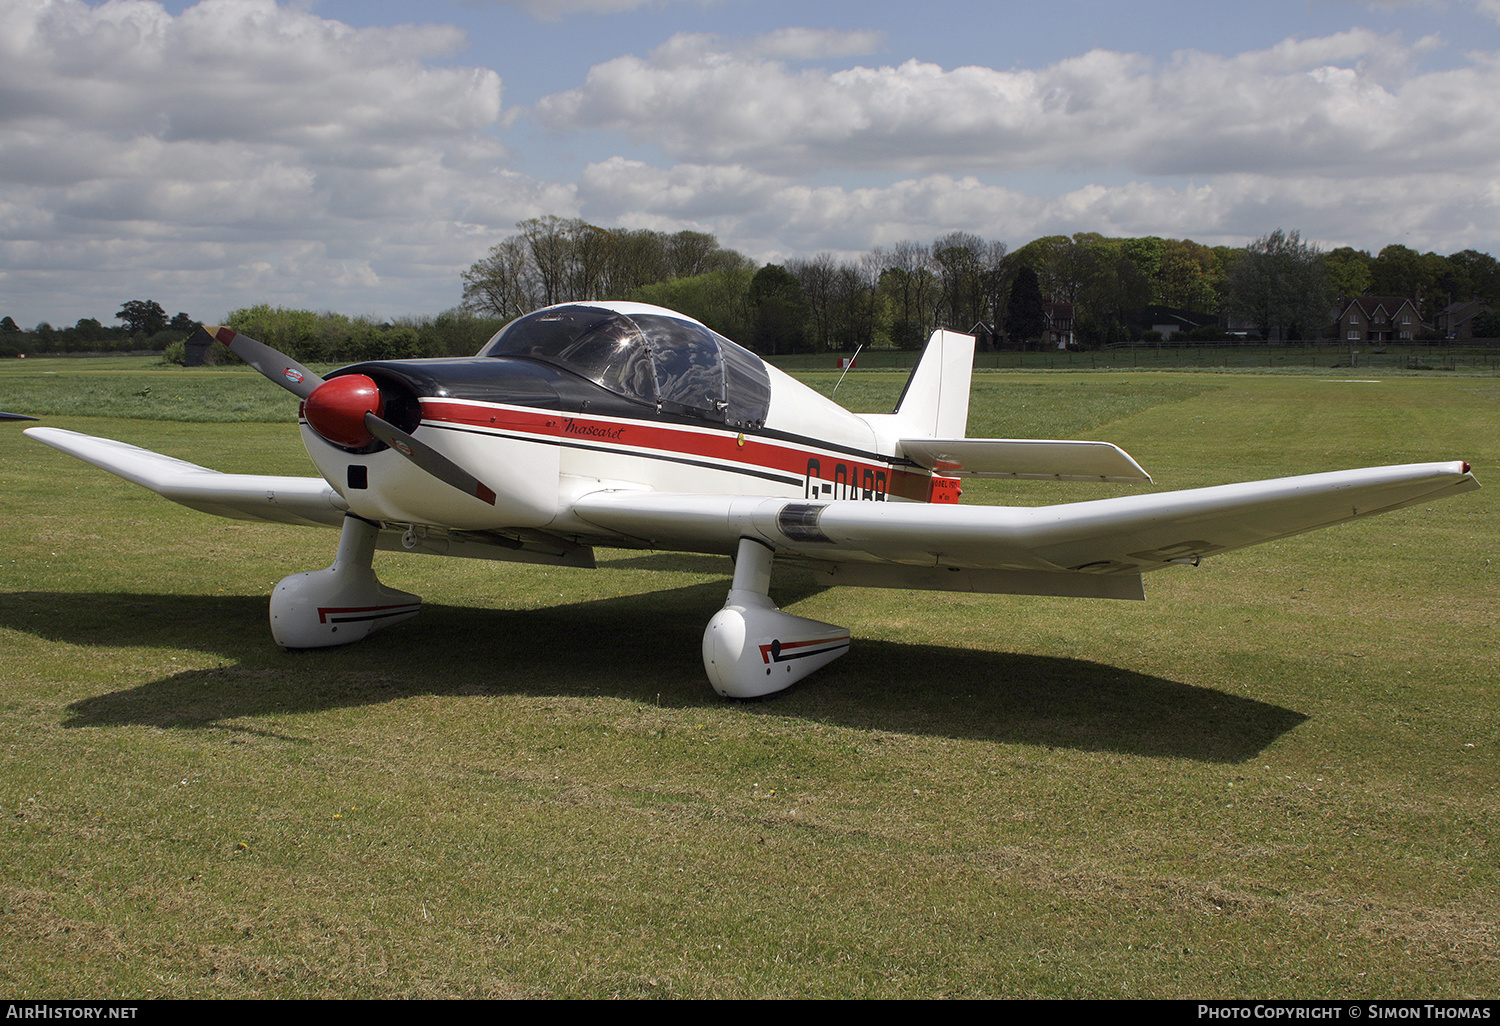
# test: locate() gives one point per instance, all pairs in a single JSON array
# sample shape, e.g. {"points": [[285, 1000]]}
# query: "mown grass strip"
{"points": [[1275, 777]]}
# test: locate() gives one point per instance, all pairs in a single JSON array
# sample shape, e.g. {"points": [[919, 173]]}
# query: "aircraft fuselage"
{"points": [[541, 435]]}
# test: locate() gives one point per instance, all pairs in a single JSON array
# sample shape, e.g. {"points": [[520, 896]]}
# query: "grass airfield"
{"points": [[1276, 777]]}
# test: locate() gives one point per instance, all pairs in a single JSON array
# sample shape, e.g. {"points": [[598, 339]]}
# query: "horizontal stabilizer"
{"points": [[1031, 458], [284, 500]]}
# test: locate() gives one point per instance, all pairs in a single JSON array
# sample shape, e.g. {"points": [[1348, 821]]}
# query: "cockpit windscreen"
{"points": [[672, 363]]}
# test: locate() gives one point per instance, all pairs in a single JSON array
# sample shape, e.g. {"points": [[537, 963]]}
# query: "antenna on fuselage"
{"points": [[848, 365]]}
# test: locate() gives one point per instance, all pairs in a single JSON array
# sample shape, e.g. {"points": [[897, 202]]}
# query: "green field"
{"points": [[1276, 777], [1470, 358]]}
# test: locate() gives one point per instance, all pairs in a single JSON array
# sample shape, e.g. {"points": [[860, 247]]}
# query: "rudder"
{"points": [[935, 401]]}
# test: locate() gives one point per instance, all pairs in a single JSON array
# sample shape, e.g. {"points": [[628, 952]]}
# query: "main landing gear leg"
{"points": [[342, 603], [751, 648]]}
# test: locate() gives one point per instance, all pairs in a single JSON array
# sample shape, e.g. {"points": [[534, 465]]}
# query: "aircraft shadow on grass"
{"points": [[635, 647]]}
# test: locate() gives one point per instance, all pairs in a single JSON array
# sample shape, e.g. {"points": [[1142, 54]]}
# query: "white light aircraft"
{"points": [[631, 426]]}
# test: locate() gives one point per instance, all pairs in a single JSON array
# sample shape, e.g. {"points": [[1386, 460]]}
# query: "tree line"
{"points": [[306, 335], [144, 326], [1279, 286]]}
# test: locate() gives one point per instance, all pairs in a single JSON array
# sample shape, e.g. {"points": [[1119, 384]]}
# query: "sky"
{"points": [[358, 156]]}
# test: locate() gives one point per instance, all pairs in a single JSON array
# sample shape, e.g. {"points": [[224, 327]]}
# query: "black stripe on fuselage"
{"points": [[771, 434], [729, 468]]}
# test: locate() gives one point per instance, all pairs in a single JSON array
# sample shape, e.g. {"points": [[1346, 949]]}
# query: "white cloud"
{"points": [[553, 10], [777, 216], [1344, 104], [236, 69], [1488, 8], [807, 44], [245, 150]]}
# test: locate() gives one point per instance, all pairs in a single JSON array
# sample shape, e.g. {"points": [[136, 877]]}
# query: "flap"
{"points": [[1034, 458]]}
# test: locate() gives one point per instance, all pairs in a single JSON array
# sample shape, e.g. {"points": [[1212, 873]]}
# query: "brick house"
{"points": [[1059, 330], [1457, 319], [1379, 319]]}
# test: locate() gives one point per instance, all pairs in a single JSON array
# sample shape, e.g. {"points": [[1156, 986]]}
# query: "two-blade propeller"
{"points": [[346, 410]]}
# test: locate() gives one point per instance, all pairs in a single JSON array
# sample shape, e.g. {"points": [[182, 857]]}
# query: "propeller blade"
{"points": [[277, 366], [429, 459], [15, 416]]}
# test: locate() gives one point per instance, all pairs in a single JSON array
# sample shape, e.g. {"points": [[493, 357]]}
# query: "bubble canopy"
{"points": [[646, 354]]}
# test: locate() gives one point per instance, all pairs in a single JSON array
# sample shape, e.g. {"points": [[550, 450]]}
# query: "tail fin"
{"points": [[935, 402]]}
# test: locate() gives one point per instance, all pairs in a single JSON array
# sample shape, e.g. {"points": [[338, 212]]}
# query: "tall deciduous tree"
{"points": [[1281, 285], [1398, 271], [961, 264], [854, 306], [910, 288], [1116, 287], [693, 253], [503, 284], [1045, 257], [559, 260], [1187, 276], [143, 317], [1348, 271], [1075, 263], [1483, 273], [1146, 253], [779, 308], [819, 280]]}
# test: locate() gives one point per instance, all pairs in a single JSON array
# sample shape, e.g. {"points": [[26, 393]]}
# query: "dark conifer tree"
{"points": [[1025, 314]]}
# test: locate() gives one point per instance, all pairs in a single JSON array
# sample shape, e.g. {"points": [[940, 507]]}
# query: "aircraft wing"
{"points": [[264, 497], [1098, 548]]}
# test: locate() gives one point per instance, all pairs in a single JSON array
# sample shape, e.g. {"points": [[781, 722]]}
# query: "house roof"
{"points": [[1466, 310], [1157, 315], [1372, 305]]}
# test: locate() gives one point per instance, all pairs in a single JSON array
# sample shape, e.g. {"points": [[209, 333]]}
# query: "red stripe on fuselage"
{"points": [[747, 451]]}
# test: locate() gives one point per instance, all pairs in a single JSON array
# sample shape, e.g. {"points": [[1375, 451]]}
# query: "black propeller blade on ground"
{"points": [[277, 366], [429, 459], [15, 416]]}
